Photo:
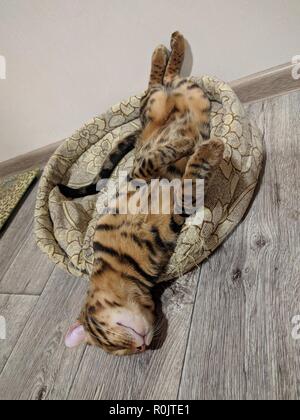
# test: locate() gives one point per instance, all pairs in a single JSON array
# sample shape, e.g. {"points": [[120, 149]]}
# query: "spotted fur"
{"points": [[132, 251]]}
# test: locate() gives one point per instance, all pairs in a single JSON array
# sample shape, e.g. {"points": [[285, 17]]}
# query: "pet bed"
{"points": [[64, 228]]}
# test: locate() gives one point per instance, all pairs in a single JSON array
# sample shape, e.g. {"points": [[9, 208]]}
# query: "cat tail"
{"points": [[124, 146]]}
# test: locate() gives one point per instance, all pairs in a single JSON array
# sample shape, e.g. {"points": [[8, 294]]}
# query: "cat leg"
{"points": [[206, 158], [201, 165], [161, 157], [159, 63], [176, 59]]}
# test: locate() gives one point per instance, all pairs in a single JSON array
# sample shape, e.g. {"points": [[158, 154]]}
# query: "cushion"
{"points": [[65, 228]]}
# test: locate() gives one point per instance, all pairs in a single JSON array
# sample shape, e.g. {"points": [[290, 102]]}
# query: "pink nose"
{"points": [[139, 336], [141, 349]]}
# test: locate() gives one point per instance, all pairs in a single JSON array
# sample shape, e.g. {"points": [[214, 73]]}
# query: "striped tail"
{"points": [[113, 159]]}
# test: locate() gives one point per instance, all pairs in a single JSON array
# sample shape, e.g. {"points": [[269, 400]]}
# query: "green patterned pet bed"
{"points": [[65, 228]]}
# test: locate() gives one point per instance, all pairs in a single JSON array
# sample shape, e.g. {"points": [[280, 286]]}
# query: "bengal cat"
{"points": [[133, 251]]}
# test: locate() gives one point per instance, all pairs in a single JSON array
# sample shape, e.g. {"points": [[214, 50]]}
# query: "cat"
{"points": [[133, 251]]}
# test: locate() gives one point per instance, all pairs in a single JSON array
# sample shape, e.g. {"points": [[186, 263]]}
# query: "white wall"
{"points": [[68, 60]]}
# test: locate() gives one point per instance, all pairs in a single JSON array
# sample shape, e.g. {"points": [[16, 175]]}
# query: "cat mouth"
{"points": [[142, 338]]}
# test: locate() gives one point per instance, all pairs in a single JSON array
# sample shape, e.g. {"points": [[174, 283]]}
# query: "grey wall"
{"points": [[68, 60]]}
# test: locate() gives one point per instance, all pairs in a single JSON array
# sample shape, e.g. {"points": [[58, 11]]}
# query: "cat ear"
{"points": [[75, 336]]}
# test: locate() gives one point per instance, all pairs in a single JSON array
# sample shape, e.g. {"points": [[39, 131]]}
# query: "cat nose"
{"points": [[141, 349]]}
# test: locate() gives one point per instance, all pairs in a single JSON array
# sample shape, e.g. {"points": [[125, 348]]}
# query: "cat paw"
{"points": [[161, 56], [212, 151], [177, 41], [217, 146]]}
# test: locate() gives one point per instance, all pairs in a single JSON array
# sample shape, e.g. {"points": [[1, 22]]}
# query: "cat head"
{"points": [[118, 317]]}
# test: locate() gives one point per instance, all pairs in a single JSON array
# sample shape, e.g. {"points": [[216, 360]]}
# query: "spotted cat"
{"points": [[133, 251]]}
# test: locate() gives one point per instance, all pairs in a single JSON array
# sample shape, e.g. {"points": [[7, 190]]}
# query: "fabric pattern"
{"points": [[65, 228], [12, 189]]}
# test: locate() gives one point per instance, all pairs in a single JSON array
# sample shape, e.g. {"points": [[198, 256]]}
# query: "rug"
{"points": [[12, 190]]}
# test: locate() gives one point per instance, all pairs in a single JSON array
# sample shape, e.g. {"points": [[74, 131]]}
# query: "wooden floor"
{"points": [[230, 322]]}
